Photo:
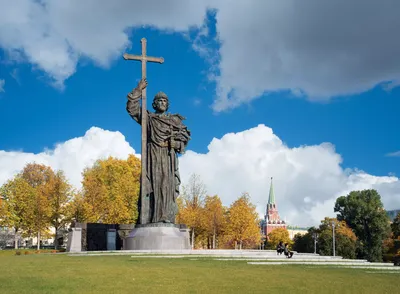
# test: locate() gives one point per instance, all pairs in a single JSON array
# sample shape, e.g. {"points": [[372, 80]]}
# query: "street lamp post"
{"points": [[333, 238], [315, 242]]}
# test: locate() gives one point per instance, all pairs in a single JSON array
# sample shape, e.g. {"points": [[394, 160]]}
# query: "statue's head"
{"points": [[160, 102]]}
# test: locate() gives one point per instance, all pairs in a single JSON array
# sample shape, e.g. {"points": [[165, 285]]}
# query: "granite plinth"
{"points": [[158, 236], [74, 243]]}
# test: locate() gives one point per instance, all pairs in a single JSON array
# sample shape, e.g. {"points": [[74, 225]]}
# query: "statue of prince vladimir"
{"points": [[167, 137]]}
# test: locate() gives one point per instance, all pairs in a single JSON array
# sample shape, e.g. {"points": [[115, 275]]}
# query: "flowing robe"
{"points": [[162, 179]]}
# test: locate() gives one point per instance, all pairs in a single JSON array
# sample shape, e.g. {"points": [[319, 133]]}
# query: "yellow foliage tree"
{"points": [[278, 235], [243, 223], [16, 195], [191, 212], [110, 191], [193, 217], [215, 218], [60, 193], [75, 208], [345, 238], [341, 227], [38, 217]]}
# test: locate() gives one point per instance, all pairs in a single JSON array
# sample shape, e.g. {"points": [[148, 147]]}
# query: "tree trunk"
{"points": [[16, 239], [56, 240], [214, 240], [240, 245], [38, 240], [235, 245], [192, 238]]}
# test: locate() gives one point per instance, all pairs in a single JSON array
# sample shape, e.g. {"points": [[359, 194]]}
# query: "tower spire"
{"points": [[271, 198], [272, 219]]}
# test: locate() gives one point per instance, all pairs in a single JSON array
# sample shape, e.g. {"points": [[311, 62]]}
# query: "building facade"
{"points": [[293, 231]]}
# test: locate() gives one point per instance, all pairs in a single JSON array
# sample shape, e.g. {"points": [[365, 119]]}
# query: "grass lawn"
{"points": [[59, 273], [9, 252]]}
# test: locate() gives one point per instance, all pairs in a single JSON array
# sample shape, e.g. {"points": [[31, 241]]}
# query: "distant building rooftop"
{"points": [[298, 228]]}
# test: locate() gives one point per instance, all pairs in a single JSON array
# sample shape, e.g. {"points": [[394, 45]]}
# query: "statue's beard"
{"points": [[161, 108]]}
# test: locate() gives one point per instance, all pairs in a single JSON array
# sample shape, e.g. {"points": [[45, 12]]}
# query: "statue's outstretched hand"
{"points": [[142, 84]]}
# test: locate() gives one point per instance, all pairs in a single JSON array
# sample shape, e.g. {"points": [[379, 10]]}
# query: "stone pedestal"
{"points": [[123, 232], [158, 236], [74, 243]]}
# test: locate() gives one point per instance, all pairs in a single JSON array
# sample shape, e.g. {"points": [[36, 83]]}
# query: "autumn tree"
{"points": [[278, 235], [16, 195], [215, 217], [110, 190], [395, 226], [59, 193], [40, 178], [345, 239], [243, 223], [363, 212], [76, 208], [388, 246], [392, 245], [192, 211], [194, 219]]}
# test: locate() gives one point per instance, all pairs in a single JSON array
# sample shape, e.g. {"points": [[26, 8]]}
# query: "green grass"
{"points": [[9, 252], [59, 273]]}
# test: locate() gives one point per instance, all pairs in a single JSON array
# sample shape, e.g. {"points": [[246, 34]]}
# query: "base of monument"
{"points": [[158, 236]]}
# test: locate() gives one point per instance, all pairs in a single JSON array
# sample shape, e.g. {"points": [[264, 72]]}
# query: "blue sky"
{"points": [[35, 115], [62, 78]]}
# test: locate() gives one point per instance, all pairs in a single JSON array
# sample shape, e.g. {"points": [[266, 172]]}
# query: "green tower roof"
{"points": [[271, 198]]}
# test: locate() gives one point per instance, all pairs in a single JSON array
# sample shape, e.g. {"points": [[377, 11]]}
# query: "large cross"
{"points": [[144, 59]]}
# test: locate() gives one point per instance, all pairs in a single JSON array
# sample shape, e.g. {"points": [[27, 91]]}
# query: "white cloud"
{"points": [[394, 154], [71, 156], [318, 48], [2, 83], [307, 179], [55, 35]]}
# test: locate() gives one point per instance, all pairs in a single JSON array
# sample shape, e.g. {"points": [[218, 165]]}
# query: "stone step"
{"points": [[232, 253], [237, 258], [296, 260], [347, 263], [267, 259], [214, 254], [262, 254]]}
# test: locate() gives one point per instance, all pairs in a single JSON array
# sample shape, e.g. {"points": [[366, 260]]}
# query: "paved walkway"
{"points": [[251, 257]]}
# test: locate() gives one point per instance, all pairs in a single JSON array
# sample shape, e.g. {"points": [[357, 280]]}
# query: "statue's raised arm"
{"points": [[133, 104]]}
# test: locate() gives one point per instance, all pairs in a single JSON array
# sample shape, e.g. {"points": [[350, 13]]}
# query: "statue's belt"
{"points": [[161, 144], [164, 144]]}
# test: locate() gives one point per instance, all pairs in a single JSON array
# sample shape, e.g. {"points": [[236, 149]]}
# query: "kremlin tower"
{"points": [[271, 218]]}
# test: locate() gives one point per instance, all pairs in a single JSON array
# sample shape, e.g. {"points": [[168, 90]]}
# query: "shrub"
{"points": [[26, 252], [388, 257], [396, 260], [17, 252]]}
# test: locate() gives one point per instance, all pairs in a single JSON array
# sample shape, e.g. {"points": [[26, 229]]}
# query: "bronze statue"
{"points": [[165, 137]]}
